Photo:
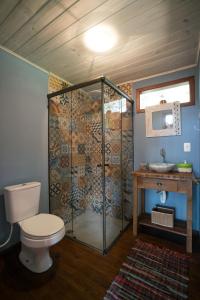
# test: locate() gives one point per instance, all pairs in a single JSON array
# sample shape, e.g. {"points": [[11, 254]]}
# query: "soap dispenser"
{"points": [[184, 167]]}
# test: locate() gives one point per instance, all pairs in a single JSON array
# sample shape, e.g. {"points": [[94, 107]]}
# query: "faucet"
{"points": [[163, 154]]}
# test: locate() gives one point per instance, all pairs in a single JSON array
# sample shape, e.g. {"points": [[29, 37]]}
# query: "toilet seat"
{"points": [[41, 238], [42, 230], [41, 226]]}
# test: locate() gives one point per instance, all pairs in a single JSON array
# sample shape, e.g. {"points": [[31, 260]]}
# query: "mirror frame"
{"points": [[175, 130]]}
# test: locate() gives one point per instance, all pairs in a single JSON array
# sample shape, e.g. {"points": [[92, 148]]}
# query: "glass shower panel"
{"points": [[60, 157], [127, 161], [86, 158], [113, 158]]}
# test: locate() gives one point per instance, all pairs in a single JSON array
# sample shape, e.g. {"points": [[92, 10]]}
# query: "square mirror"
{"points": [[163, 120]]}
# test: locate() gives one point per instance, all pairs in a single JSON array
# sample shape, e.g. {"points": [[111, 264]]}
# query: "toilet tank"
{"points": [[22, 201]]}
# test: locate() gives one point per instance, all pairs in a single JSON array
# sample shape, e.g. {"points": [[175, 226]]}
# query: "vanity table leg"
{"points": [[189, 222], [142, 201], [135, 206]]}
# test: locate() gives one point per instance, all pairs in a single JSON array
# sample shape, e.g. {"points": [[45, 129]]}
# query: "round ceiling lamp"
{"points": [[100, 38]]}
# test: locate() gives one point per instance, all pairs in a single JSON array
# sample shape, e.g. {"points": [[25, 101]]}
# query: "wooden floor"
{"points": [[79, 272]]}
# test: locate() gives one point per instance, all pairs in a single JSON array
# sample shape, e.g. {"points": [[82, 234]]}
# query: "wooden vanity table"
{"points": [[172, 182]]}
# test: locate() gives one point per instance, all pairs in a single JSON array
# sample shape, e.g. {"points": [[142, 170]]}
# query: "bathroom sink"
{"points": [[161, 167]]}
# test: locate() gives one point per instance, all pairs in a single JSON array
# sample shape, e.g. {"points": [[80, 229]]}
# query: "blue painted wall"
{"points": [[198, 80], [148, 149], [23, 130]]}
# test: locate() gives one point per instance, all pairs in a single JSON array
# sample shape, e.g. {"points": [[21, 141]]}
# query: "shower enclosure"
{"points": [[90, 161]]}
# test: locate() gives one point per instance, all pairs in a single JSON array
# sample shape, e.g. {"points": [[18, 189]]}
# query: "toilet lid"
{"points": [[42, 225]]}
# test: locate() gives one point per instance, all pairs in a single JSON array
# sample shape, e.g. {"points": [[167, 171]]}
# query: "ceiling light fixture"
{"points": [[100, 38]]}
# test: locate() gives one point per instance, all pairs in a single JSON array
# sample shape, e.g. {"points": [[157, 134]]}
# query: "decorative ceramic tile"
{"points": [[116, 135], [78, 159], [54, 123], [88, 170], [116, 148], [88, 159], [81, 137], [81, 170], [55, 189], [66, 185], [64, 99], [54, 136], [54, 150], [108, 148], [81, 148], [82, 182], [64, 161], [96, 106], [96, 127], [54, 163], [65, 149], [64, 198], [74, 170], [96, 148], [126, 123], [97, 205], [116, 173], [55, 176], [65, 173], [108, 158], [126, 88], [96, 158], [96, 137], [88, 149], [97, 184], [115, 159]]}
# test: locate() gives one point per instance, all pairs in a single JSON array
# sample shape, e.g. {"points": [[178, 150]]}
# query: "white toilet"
{"points": [[38, 231]]}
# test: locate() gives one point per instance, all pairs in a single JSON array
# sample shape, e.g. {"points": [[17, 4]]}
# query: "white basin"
{"points": [[161, 167]]}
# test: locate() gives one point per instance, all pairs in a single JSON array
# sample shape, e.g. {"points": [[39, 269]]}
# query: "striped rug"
{"points": [[151, 272]]}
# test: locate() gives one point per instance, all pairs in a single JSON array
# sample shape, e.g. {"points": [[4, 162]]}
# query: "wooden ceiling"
{"points": [[154, 36]]}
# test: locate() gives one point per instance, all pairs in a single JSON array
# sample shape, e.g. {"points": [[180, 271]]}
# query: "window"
{"points": [[181, 90]]}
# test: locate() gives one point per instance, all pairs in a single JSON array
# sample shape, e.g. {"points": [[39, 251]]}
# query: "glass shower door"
{"points": [[127, 161], [60, 158], [113, 165], [86, 158]]}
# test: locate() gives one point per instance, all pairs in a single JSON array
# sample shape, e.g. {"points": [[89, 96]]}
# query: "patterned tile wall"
{"points": [[127, 151], [119, 156], [126, 88], [75, 148]]}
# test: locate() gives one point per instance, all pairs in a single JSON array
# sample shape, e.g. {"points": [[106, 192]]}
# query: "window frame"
{"points": [[190, 79]]}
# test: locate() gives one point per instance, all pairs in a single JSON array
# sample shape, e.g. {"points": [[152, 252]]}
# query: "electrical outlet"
{"points": [[187, 147]]}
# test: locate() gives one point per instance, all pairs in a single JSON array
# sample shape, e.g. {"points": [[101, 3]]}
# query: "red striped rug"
{"points": [[151, 272]]}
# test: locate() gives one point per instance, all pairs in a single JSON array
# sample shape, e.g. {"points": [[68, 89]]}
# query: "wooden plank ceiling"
{"points": [[154, 36]]}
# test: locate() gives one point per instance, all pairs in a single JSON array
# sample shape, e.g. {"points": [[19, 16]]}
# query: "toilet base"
{"points": [[36, 260]]}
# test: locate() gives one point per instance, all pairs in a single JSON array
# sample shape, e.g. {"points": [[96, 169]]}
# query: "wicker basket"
{"points": [[163, 216]]}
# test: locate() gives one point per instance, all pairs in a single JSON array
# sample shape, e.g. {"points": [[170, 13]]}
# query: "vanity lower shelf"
{"points": [[171, 182], [179, 227]]}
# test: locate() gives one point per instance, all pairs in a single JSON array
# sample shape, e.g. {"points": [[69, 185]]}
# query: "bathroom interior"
{"points": [[81, 153]]}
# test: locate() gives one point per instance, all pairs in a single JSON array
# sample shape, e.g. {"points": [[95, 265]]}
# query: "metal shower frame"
{"points": [[103, 80]]}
